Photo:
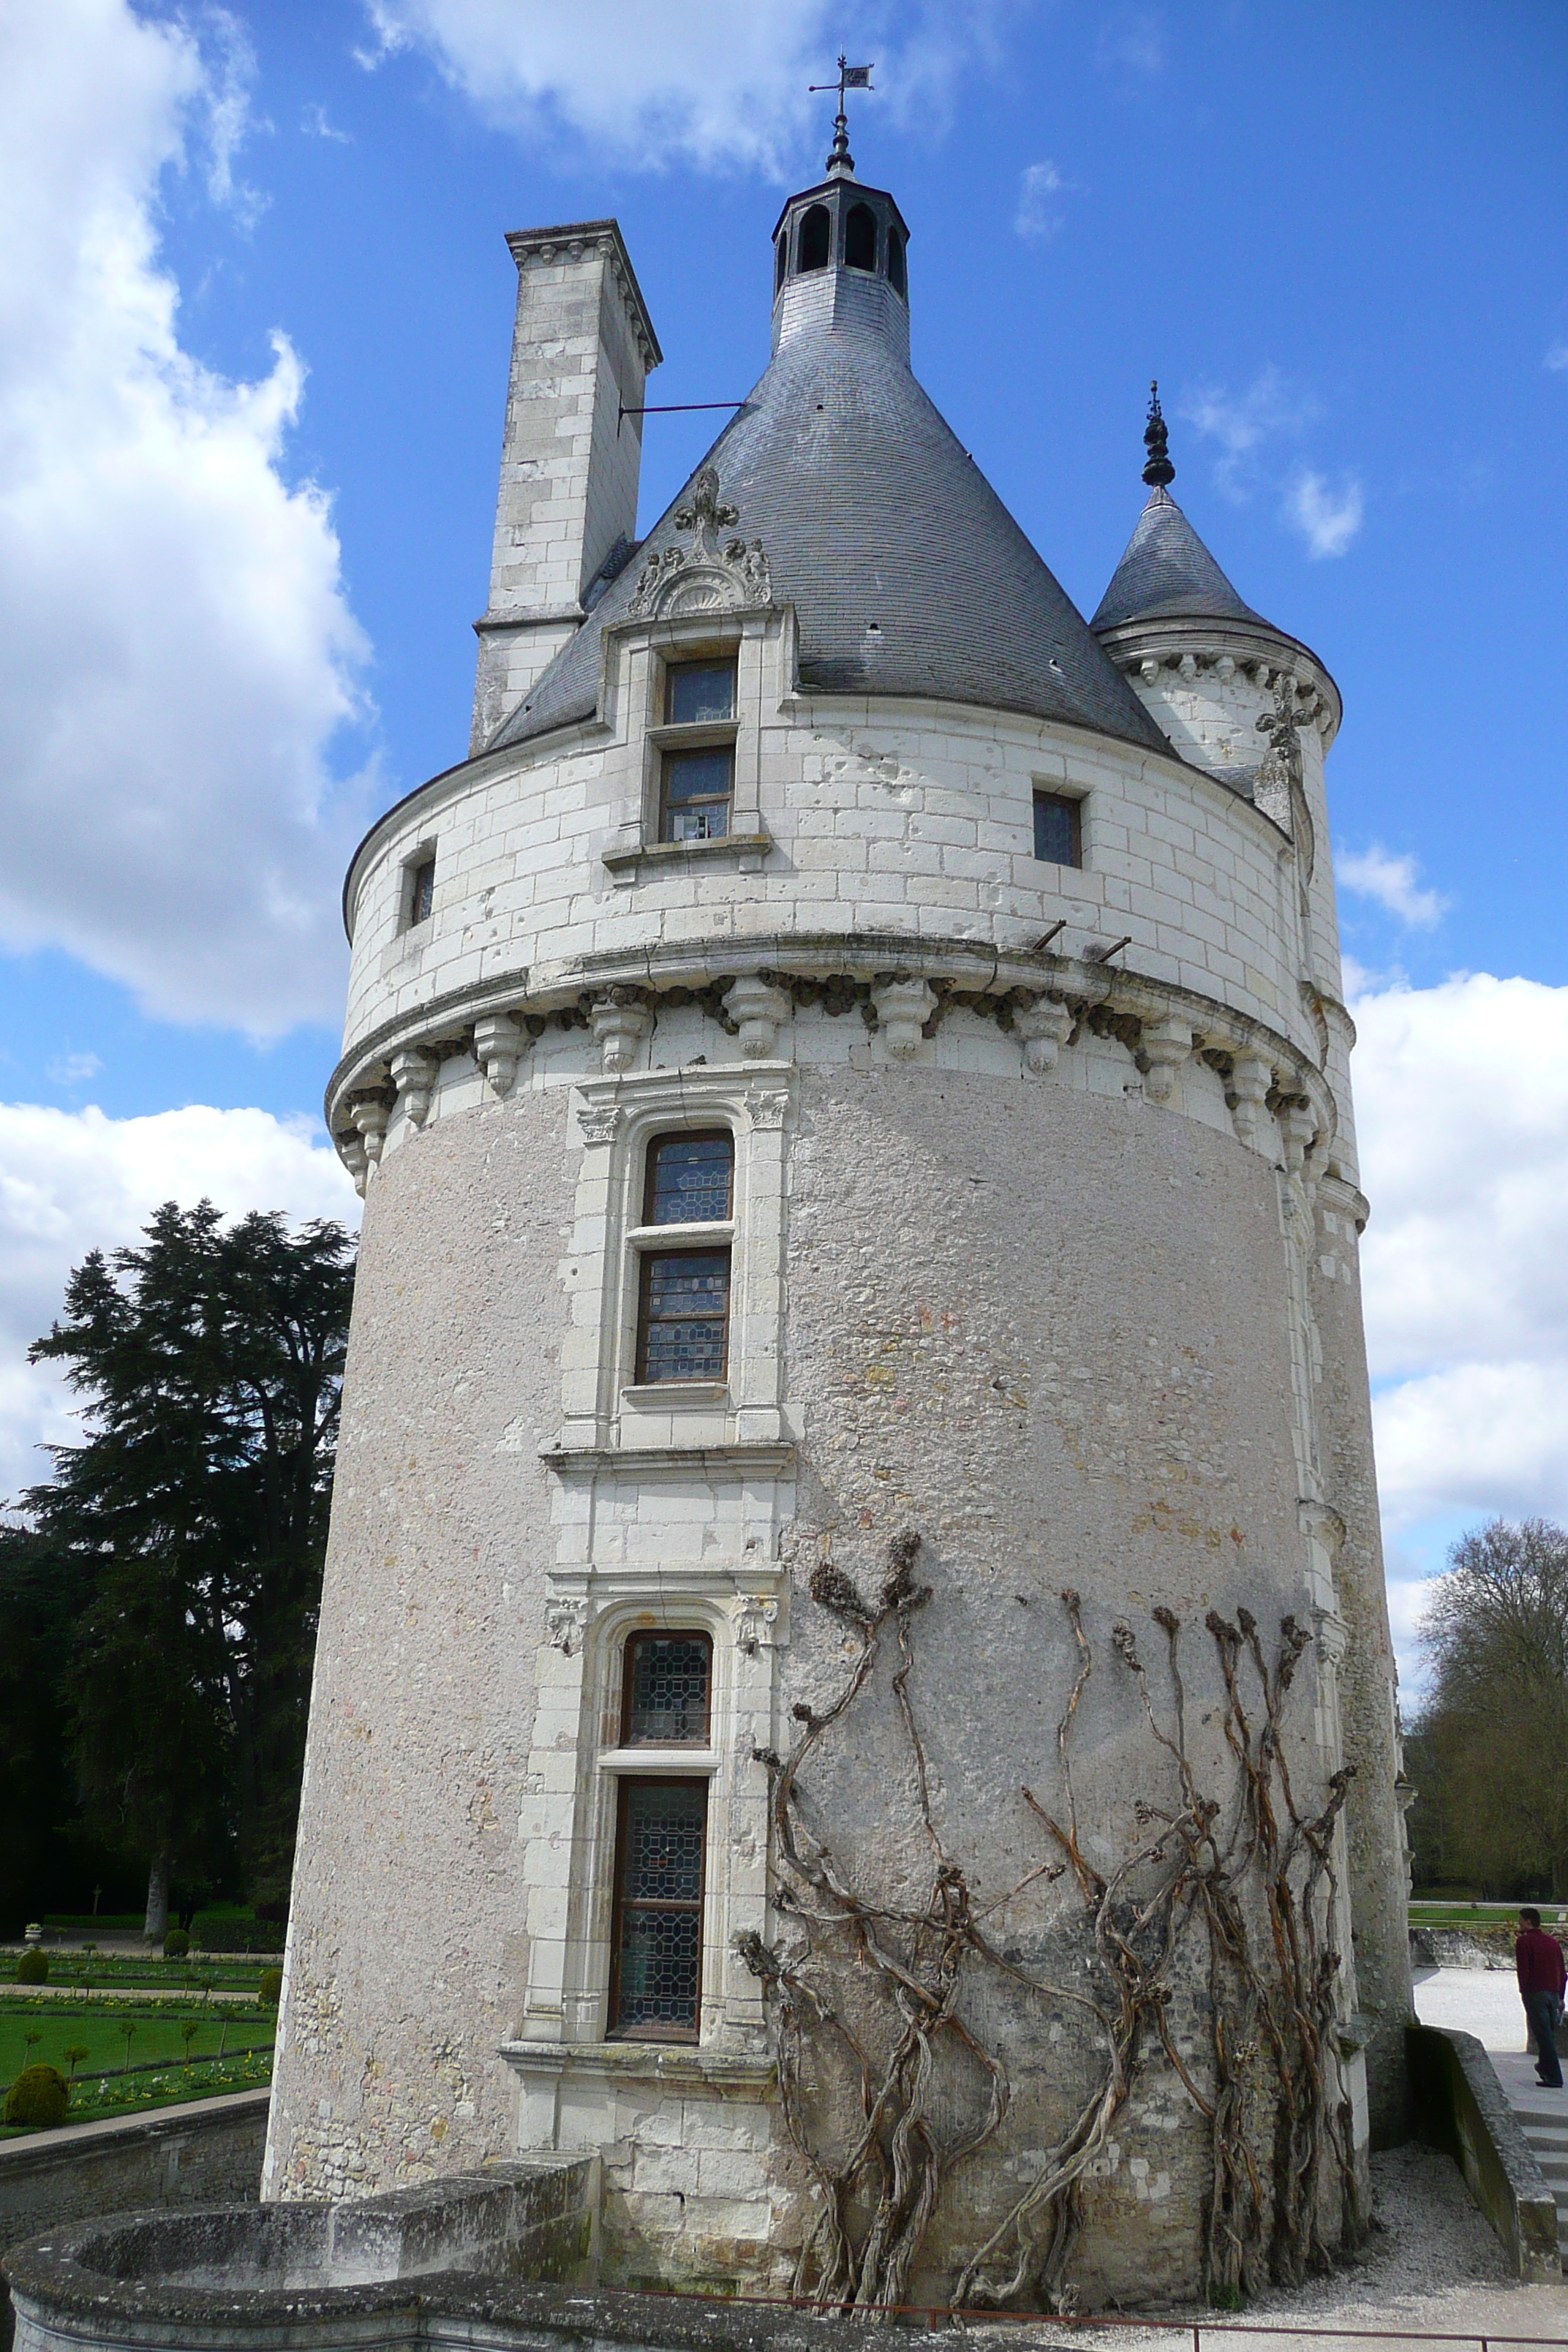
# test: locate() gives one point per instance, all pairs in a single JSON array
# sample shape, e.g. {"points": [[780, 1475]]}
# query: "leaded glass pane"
{"points": [[699, 692], [666, 1688], [1056, 829], [697, 794], [660, 1950], [689, 1179], [686, 1309]]}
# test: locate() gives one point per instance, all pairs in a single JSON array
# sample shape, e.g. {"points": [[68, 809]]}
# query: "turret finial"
{"points": [[1158, 471], [850, 77]]}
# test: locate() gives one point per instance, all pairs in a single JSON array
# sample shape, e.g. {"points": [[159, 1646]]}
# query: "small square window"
{"points": [[664, 1701], [421, 891], [690, 1178], [684, 1326], [696, 694], [696, 788], [1058, 836]]}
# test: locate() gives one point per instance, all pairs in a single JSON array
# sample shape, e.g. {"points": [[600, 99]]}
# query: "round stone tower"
{"points": [[853, 1675]]}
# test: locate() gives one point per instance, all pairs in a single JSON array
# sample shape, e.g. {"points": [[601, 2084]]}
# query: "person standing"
{"points": [[1538, 1958]]}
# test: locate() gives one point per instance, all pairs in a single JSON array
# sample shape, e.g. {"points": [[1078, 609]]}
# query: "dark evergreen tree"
{"points": [[210, 1363]]}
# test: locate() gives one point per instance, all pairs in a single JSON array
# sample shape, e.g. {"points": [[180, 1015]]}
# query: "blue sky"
{"points": [[1335, 233]]}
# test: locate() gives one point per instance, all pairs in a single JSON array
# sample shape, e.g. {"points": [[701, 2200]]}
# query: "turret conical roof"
{"points": [[1167, 574], [908, 574]]}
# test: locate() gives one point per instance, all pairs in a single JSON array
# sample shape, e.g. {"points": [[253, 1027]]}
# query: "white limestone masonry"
{"points": [[1043, 1241]]}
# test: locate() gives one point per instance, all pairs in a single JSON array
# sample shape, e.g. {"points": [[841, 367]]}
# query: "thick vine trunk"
{"points": [[157, 1925]]}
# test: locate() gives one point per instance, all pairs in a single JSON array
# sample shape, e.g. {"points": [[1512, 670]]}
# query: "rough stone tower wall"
{"points": [[1038, 1171]]}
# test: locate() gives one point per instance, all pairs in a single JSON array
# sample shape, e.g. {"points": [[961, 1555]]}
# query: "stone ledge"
{"points": [[677, 2064], [741, 1459]]}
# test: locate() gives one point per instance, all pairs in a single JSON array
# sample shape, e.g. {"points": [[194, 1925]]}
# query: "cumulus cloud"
{"points": [[1392, 882], [176, 649], [1327, 518], [1462, 1108], [1244, 422], [697, 81], [75, 1180], [1036, 216]]}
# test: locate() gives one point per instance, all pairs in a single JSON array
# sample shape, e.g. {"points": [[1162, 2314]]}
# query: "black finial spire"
{"points": [[1158, 469], [849, 78]]}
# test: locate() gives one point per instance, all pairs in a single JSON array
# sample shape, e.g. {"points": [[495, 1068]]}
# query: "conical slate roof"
{"points": [[1167, 574], [908, 574]]}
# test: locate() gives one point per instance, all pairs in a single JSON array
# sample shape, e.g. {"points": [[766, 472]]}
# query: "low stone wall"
{"points": [[1458, 2105], [417, 2265]]}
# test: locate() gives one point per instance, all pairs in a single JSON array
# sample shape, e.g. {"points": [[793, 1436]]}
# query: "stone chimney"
{"points": [[582, 349]]}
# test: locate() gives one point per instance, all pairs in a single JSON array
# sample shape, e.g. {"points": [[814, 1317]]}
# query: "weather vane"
{"points": [[849, 78]]}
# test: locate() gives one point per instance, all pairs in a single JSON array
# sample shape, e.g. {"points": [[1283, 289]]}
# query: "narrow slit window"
{"points": [[781, 262], [1058, 832], [660, 1849], [896, 262], [690, 1179], [816, 240], [421, 891], [664, 1700], [684, 1323], [860, 238]]}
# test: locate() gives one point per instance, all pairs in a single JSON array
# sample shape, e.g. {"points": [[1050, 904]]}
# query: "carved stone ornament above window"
{"points": [[708, 576]]}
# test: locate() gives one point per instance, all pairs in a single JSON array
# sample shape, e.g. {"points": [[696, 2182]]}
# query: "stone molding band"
{"points": [[900, 989]]}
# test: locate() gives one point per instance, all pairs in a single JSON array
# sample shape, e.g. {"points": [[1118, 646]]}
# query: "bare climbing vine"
{"points": [[869, 1997]]}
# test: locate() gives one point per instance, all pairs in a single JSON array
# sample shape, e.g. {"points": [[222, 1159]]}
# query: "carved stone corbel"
{"points": [[754, 1620], [1250, 1080], [498, 1044], [759, 1011], [351, 1152], [619, 1024], [1165, 1045], [370, 1116], [414, 1075], [1299, 1130], [903, 1008], [565, 1622], [1044, 1027]]}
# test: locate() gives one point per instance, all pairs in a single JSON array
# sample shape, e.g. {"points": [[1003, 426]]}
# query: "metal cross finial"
{"points": [[849, 78], [1158, 471]]}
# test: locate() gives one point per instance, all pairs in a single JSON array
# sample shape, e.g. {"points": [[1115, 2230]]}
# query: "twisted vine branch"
{"points": [[881, 1987]]}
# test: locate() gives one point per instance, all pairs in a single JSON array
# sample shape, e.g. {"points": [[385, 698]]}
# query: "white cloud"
{"points": [[73, 1069], [1326, 519], [1034, 217], [313, 122], [75, 1180], [175, 647], [1244, 422], [1392, 882], [700, 81], [1557, 357], [1462, 1097]]}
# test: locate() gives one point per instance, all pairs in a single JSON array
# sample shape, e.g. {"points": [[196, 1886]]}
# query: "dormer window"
{"points": [[697, 776], [814, 247], [860, 238]]}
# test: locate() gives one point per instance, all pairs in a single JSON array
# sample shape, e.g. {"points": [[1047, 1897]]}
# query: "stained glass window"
{"points": [[685, 1318], [658, 1907], [666, 1689], [688, 1179], [422, 892]]}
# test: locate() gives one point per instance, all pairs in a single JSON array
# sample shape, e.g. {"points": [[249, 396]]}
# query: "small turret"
{"points": [[1206, 666], [840, 260]]}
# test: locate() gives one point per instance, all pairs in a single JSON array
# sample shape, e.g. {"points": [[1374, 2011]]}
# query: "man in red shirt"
{"points": [[1539, 1961]]}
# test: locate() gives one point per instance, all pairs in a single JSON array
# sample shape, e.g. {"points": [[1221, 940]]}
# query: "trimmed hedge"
{"points": [[235, 1931], [177, 1944], [269, 1987], [33, 1967], [39, 2096]]}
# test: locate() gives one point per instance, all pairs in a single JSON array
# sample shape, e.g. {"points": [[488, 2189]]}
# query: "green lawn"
{"points": [[102, 1968], [99, 2029]]}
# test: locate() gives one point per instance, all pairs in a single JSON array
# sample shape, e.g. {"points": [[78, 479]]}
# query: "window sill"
{"points": [[649, 858], [653, 1396], [708, 1234], [649, 2062], [656, 1762]]}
